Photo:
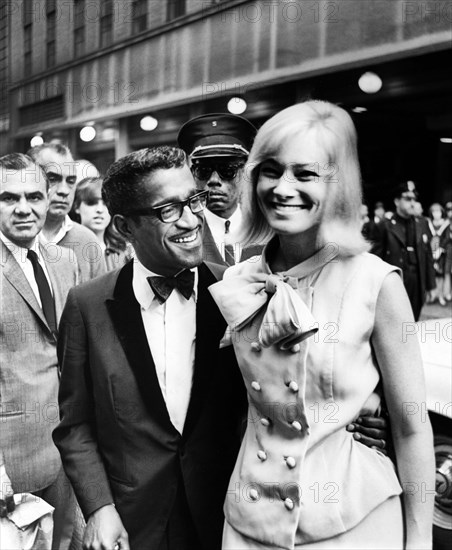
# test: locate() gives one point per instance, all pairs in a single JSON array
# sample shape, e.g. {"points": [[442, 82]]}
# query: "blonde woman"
{"points": [[317, 325]]}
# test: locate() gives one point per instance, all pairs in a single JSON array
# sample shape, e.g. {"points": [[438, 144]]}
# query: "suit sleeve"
{"points": [[75, 436]]}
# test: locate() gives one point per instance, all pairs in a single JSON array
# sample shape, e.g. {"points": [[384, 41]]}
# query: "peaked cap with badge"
{"points": [[405, 187], [217, 135]]}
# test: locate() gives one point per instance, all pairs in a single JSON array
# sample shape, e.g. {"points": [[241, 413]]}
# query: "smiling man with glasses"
{"points": [[145, 388], [218, 146], [404, 241]]}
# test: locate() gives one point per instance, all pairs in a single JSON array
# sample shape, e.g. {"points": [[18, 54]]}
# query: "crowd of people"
{"points": [[420, 245], [219, 345]]}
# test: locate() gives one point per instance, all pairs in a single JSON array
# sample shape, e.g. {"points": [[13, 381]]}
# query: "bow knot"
{"points": [[287, 319], [164, 286]]}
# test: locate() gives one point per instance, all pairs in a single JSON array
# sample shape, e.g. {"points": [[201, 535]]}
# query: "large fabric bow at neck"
{"points": [[287, 320]]}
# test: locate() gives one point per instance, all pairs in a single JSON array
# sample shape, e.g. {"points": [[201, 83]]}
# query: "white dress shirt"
{"points": [[218, 229], [171, 334], [20, 255]]}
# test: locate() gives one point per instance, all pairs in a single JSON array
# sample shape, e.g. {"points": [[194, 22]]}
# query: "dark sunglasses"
{"points": [[172, 212], [409, 198], [226, 170]]}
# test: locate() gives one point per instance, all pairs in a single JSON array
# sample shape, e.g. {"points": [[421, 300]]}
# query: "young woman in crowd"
{"points": [[317, 326], [89, 209], [438, 225]]}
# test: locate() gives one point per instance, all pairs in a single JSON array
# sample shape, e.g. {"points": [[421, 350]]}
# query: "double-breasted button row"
{"points": [[292, 385], [288, 502], [295, 424]]}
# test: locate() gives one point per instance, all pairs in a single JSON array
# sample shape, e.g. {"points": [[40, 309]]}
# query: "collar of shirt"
{"points": [[68, 224], [217, 227], [20, 252], [143, 292], [20, 255]]}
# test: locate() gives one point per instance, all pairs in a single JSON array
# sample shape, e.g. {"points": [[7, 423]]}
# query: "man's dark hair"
{"points": [[122, 190], [19, 161], [57, 147]]}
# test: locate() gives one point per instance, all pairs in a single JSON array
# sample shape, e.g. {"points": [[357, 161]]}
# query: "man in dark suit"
{"points": [[34, 284], [404, 241], [150, 422], [218, 146], [151, 401]]}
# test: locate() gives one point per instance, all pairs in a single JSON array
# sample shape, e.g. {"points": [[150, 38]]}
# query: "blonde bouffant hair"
{"points": [[334, 130]]}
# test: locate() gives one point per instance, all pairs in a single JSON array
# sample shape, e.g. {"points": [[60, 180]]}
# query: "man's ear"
{"points": [[122, 225]]}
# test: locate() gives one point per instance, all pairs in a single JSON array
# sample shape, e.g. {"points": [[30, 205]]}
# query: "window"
{"points": [[175, 8], [79, 28], [51, 34], [27, 13], [140, 16], [106, 23], [27, 49]]}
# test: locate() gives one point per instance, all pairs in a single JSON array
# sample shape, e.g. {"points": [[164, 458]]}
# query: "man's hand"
{"points": [[6, 491], [372, 431], [105, 531]]}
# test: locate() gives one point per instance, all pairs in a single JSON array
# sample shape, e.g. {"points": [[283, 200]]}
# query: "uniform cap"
{"points": [[217, 135], [405, 187]]}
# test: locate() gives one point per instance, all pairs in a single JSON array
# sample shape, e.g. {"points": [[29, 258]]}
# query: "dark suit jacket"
{"points": [[212, 254], [116, 438], [389, 243], [29, 374]]}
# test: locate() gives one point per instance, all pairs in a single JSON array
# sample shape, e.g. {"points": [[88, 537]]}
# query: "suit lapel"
{"points": [[397, 230], [125, 313], [13, 272], [210, 328]]}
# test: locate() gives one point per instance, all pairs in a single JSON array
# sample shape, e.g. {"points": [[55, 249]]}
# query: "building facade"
{"points": [[107, 64]]}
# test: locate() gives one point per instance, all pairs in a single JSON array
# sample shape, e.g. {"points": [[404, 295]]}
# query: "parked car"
{"points": [[436, 345]]}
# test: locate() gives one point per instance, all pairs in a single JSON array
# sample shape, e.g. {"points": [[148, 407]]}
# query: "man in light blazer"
{"points": [[28, 361]]}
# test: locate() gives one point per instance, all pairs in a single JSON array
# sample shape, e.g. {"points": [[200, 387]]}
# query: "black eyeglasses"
{"points": [[172, 212], [226, 170]]}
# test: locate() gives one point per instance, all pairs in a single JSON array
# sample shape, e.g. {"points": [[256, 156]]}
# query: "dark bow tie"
{"points": [[163, 286]]}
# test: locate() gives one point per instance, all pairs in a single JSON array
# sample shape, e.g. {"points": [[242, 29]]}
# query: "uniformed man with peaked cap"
{"points": [[218, 146], [404, 241]]}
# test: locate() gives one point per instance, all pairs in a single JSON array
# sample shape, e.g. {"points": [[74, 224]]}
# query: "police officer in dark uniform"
{"points": [[218, 146], [404, 241]]}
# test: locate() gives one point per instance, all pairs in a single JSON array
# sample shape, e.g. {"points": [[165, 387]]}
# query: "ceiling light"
{"points": [[87, 133], [36, 140], [445, 140], [148, 123], [237, 105], [370, 83]]}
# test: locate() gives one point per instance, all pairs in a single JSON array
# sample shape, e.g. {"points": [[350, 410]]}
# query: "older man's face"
{"points": [[23, 204], [61, 173], [167, 248], [222, 176]]}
